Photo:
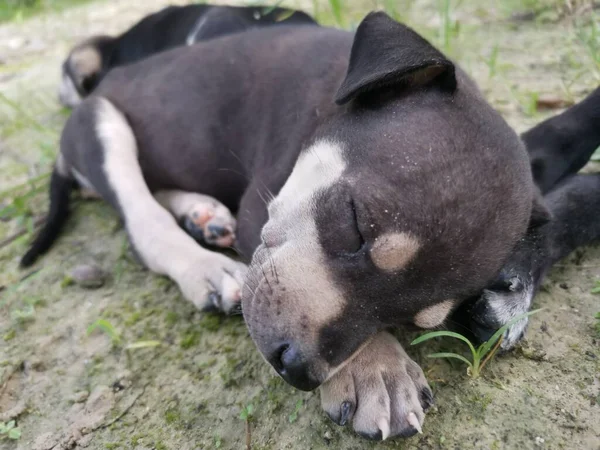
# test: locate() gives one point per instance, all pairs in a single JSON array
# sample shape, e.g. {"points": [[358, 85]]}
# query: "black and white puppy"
{"points": [[373, 184], [173, 26]]}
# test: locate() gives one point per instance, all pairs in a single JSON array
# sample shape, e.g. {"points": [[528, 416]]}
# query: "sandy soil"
{"points": [[68, 389]]}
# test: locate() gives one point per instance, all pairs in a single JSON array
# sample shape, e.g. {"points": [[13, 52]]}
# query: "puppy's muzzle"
{"points": [[291, 365]]}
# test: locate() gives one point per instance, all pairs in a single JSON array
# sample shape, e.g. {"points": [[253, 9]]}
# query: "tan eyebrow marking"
{"points": [[393, 251], [434, 315]]}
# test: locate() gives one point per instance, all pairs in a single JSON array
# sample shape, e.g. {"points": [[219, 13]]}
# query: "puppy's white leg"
{"points": [[160, 243], [203, 217]]}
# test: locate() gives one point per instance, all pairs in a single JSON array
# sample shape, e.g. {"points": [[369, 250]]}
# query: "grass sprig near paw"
{"points": [[9, 430], [480, 355]]}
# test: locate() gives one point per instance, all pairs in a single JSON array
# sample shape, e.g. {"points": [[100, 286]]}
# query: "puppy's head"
{"points": [[82, 70], [408, 200]]}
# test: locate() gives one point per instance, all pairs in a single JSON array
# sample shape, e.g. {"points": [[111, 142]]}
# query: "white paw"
{"points": [[381, 391], [214, 282]]}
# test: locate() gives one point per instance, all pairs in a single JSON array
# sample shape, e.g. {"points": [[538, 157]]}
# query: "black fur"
{"points": [[60, 193], [562, 145]]}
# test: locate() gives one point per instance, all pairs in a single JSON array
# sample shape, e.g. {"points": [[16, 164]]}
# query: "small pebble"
{"points": [[88, 276]]}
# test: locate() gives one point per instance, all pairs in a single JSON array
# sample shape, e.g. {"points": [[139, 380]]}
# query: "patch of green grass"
{"points": [[190, 338], [18, 10], [481, 355], [172, 416], [587, 34], [9, 335], [9, 431], [108, 328], [336, 9], [247, 412], [172, 318], [211, 322], [294, 415], [18, 200], [492, 61], [449, 28]]}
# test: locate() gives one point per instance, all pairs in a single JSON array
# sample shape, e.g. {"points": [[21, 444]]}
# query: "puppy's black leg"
{"points": [[563, 144], [574, 205]]}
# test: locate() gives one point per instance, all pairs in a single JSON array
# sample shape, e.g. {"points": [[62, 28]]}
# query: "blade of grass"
{"points": [[107, 327], [435, 334], [336, 8], [491, 354], [451, 355], [142, 344]]}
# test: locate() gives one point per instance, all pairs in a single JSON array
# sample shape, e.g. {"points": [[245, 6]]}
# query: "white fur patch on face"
{"points": [[67, 93], [317, 168], [434, 315], [393, 251], [299, 257]]}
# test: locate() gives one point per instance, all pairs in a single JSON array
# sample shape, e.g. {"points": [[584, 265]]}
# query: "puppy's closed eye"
{"points": [[339, 224]]}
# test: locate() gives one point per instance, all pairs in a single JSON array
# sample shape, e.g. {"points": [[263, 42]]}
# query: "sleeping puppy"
{"points": [[373, 184], [170, 27]]}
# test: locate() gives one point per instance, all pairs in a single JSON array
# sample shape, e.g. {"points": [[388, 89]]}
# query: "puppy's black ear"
{"points": [[386, 53], [540, 214]]}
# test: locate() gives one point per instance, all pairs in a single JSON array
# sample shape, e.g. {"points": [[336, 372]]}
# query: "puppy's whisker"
{"points": [[237, 172], [261, 197], [273, 268], [265, 277]]}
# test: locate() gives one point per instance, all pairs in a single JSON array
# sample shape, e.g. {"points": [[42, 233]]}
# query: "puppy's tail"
{"points": [[60, 196]]}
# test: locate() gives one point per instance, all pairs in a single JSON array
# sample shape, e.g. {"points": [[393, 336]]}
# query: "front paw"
{"points": [[381, 391], [505, 299], [214, 283]]}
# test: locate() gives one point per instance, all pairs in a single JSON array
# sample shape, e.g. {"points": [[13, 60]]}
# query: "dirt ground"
{"points": [[69, 389]]}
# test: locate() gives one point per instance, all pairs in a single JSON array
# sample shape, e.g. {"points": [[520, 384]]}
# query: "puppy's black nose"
{"points": [[289, 362]]}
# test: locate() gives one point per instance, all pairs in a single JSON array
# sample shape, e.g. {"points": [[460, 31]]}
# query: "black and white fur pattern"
{"points": [[174, 26], [371, 183]]}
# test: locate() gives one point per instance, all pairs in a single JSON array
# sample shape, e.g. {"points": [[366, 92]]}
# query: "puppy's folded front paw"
{"points": [[381, 391]]}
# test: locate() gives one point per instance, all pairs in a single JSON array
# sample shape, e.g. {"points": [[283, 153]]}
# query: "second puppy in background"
{"points": [[173, 26]]}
